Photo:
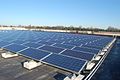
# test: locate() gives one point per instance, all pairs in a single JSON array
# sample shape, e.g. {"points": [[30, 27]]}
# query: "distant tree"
{"points": [[11, 26], [112, 29], [80, 27]]}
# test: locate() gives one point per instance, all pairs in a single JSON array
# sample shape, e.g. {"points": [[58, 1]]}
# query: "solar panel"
{"points": [[73, 43], [46, 43], [7, 39], [31, 40], [77, 54], [3, 43], [52, 49], [33, 45], [64, 46], [64, 62], [90, 50], [15, 47], [100, 44], [18, 42], [55, 41], [34, 53], [92, 46]]}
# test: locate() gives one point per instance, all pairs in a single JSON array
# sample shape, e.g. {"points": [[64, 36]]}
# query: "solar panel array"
{"points": [[63, 50]]}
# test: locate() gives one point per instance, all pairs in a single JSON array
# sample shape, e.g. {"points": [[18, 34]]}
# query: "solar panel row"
{"points": [[66, 51]]}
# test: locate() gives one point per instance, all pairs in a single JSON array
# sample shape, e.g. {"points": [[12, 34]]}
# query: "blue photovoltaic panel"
{"points": [[33, 45], [102, 44], [65, 62], [92, 46], [32, 40], [46, 43], [15, 47], [51, 49], [73, 43], [43, 40], [56, 41], [8, 39], [18, 42], [90, 50], [34, 53], [77, 54], [3, 43], [64, 46]]}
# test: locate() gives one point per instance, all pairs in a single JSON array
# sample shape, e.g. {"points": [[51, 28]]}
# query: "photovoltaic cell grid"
{"points": [[3, 43], [90, 50], [77, 54], [51, 49], [64, 46], [63, 50], [65, 62], [34, 53], [14, 47], [33, 45]]}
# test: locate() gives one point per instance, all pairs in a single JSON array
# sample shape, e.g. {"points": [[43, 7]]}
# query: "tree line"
{"points": [[80, 28]]}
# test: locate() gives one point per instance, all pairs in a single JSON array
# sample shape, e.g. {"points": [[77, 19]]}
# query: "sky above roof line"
{"points": [[96, 13]]}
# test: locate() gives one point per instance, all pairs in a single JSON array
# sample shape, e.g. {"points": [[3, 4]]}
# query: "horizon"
{"points": [[94, 13]]}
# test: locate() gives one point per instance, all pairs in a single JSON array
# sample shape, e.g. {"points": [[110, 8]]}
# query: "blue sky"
{"points": [[96, 13]]}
